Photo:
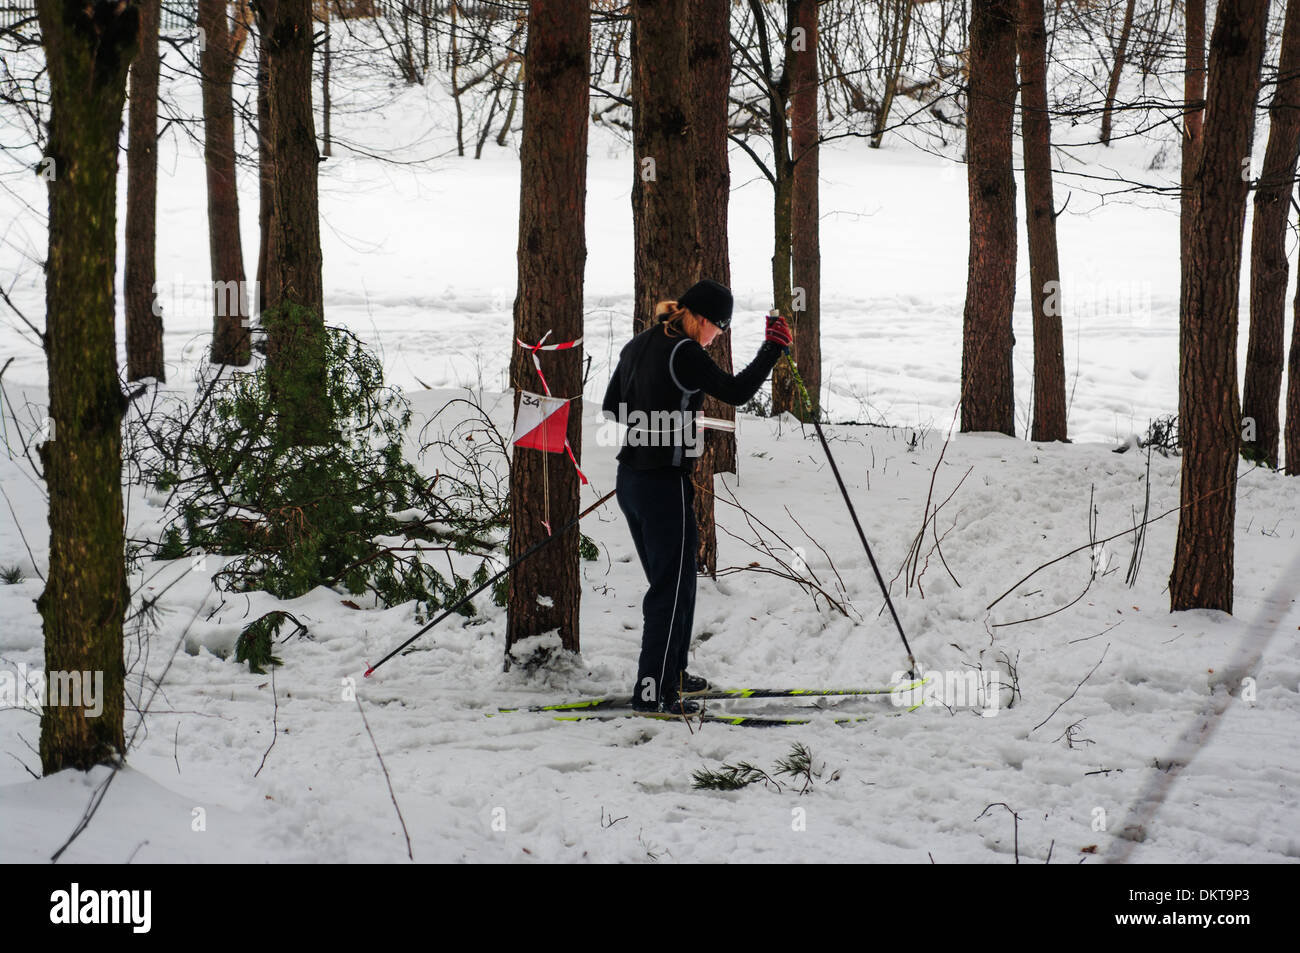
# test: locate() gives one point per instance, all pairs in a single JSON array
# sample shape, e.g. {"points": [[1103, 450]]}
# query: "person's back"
{"points": [[657, 390], [645, 396]]}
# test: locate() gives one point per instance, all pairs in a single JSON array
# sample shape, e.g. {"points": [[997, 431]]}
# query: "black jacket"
{"points": [[660, 383]]}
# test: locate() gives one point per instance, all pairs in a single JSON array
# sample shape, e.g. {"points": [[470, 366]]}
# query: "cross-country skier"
{"points": [[657, 389]]}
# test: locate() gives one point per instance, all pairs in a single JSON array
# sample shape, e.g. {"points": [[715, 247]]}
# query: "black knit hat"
{"points": [[709, 300]]}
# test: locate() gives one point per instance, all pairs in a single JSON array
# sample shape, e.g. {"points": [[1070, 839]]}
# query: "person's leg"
{"points": [[626, 493], [658, 502], [690, 573]]}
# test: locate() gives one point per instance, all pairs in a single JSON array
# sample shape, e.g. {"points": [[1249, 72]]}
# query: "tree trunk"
{"points": [[144, 346], [668, 257], [1208, 411], [1040, 219], [1268, 264], [327, 145], [897, 53], [1293, 393], [1121, 52], [545, 591], [710, 82], [87, 52], [455, 81], [265, 176], [295, 314], [785, 397], [230, 335], [515, 87], [1193, 126], [987, 398], [805, 214]]}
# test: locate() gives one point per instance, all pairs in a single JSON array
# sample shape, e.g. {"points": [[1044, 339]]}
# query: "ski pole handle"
{"points": [[778, 332], [794, 370]]}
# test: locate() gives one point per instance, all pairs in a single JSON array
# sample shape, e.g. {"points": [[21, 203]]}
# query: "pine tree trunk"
{"points": [[1292, 435], [1268, 264], [668, 257], [785, 397], [710, 60], [265, 177], [805, 235], [1040, 218], [988, 401], [1112, 88], [87, 51], [545, 591], [295, 315], [1208, 411], [144, 346], [327, 146], [1193, 127], [230, 335]]}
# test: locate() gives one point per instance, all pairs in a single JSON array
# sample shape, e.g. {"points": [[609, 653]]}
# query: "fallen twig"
{"points": [[275, 715], [387, 780], [1076, 689]]}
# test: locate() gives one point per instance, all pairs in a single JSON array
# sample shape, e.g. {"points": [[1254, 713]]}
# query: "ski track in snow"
{"points": [[413, 266]]}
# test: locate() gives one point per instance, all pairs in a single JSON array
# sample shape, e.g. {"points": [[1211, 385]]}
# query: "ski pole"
{"points": [[803, 391], [522, 556]]}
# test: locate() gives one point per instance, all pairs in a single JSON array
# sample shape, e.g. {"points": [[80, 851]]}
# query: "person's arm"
{"points": [[613, 394], [693, 369]]}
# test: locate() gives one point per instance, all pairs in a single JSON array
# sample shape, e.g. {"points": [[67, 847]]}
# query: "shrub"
{"points": [[346, 511]]}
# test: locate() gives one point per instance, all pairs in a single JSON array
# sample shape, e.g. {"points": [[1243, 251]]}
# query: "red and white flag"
{"points": [[542, 422]]}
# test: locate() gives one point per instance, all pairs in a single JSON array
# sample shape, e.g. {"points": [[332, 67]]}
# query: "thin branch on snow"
{"points": [[1016, 821], [1076, 689], [388, 780], [275, 728]]}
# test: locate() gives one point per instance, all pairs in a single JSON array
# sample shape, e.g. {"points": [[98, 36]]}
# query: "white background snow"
{"points": [[419, 260]]}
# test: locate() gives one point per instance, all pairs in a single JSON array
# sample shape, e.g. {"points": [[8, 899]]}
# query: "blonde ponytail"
{"points": [[673, 317]]}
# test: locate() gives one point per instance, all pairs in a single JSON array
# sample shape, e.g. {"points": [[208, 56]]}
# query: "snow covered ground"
{"points": [[1149, 759]]}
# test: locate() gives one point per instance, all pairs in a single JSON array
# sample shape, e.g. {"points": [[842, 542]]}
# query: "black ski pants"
{"points": [[659, 506]]}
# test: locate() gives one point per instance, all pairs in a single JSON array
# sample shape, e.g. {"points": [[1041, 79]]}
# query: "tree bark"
{"points": [[295, 315], [88, 49], [327, 146], [988, 400], [1193, 126], [897, 54], [1112, 88], [1040, 220], [710, 60], [805, 210], [265, 176], [785, 396], [1208, 410], [545, 592], [144, 346], [1268, 264], [230, 334], [1293, 393], [668, 256]]}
